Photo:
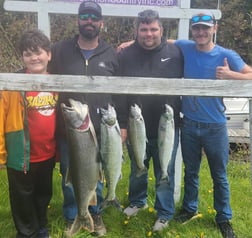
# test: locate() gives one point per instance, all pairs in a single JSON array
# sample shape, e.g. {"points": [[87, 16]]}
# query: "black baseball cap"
{"points": [[90, 6]]}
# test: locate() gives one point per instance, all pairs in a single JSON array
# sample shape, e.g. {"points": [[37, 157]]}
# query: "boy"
{"points": [[27, 142]]}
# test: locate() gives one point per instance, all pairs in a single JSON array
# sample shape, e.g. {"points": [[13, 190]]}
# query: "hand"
{"points": [[123, 135], [124, 45], [223, 72]]}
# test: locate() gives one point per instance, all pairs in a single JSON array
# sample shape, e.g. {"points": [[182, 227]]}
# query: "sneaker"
{"points": [[99, 227], [132, 210], [226, 229], [43, 233], [185, 216], [160, 224]]}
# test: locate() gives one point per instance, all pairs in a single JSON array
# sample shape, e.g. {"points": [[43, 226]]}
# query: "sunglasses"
{"points": [[85, 17], [204, 18]]}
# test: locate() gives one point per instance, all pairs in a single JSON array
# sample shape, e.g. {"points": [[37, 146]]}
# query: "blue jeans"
{"points": [[213, 138], [69, 203], [164, 201]]}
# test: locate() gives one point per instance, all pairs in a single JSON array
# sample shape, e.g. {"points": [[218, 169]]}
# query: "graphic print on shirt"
{"points": [[44, 103]]}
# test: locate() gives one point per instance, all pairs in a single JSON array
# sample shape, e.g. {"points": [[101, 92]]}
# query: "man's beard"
{"points": [[87, 34]]}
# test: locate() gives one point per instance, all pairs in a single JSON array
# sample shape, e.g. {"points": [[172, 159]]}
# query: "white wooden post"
{"points": [[183, 28], [43, 17], [183, 33]]}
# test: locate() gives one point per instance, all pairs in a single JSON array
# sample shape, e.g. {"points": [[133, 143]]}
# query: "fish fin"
{"points": [[141, 172], [79, 223], [101, 175], [164, 179], [124, 159], [118, 129], [115, 203], [92, 130], [68, 179], [93, 200]]}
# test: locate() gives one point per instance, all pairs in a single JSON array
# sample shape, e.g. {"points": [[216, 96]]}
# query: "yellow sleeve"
{"points": [[3, 107]]}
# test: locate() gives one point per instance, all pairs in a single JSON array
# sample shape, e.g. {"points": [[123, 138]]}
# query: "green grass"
{"points": [[140, 226]]}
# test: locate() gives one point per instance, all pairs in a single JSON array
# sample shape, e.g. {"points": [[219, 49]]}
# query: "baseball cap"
{"points": [[206, 18], [90, 6]]}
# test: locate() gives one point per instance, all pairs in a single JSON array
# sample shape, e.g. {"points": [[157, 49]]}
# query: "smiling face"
{"points": [[36, 61], [203, 36], [35, 49], [149, 34]]}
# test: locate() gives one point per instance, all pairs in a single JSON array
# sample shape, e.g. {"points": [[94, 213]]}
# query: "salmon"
{"points": [[84, 165]]}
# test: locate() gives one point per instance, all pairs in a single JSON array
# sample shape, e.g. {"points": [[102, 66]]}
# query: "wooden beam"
{"points": [[125, 85]]}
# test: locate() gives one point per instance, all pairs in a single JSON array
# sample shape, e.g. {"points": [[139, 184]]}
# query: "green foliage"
{"points": [[117, 30], [204, 4], [10, 32], [68, 29], [235, 27]]}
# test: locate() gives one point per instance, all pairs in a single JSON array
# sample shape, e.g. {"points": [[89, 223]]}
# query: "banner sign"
{"points": [[160, 3]]}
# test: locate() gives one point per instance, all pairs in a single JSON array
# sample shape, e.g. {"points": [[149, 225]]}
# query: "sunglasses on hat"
{"points": [[204, 18], [86, 16]]}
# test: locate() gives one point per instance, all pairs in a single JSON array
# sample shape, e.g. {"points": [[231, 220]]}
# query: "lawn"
{"points": [[140, 226]]}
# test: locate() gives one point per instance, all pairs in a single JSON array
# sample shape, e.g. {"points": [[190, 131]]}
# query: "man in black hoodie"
{"points": [[85, 54], [151, 56]]}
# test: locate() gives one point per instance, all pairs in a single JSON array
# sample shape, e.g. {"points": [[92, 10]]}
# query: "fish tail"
{"points": [[85, 223], [115, 203], [164, 179], [141, 172]]}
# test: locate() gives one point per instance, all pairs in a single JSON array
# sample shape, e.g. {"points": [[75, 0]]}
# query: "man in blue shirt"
{"points": [[204, 120]]}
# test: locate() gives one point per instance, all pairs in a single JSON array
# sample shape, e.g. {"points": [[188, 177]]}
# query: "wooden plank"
{"points": [[239, 136], [125, 85], [132, 85]]}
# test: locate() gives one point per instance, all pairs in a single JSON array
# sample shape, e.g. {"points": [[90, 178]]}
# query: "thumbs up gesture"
{"points": [[223, 72]]}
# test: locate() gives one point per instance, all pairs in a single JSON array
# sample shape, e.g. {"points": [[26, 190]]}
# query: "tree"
{"points": [[235, 27]]}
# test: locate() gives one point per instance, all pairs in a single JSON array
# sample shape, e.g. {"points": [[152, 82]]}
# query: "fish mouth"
{"points": [[109, 122], [67, 108], [85, 125], [108, 115], [76, 114]]}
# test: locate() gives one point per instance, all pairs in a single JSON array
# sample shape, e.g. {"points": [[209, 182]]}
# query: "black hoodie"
{"points": [[165, 61], [67, 59]]}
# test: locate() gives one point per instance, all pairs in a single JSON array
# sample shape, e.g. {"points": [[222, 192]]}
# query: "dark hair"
{"points": [[147, 17], [33, 40]]}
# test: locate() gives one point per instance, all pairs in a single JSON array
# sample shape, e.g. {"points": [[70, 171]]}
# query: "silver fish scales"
{"points": [[165, 140], [111, 153], [84, 166], [137, 138]]}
